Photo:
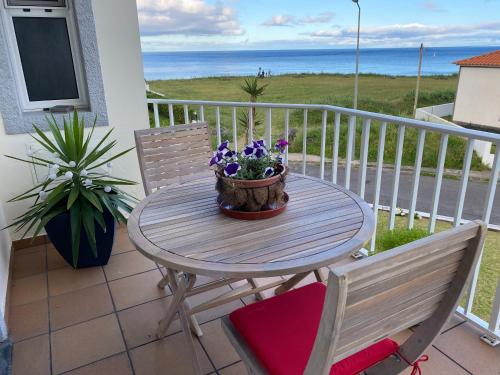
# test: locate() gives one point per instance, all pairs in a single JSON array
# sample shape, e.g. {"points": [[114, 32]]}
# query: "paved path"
{"points": [[474, 199]]}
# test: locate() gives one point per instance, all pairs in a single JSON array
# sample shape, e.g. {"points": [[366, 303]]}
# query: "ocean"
{"points": [[391, 61]]}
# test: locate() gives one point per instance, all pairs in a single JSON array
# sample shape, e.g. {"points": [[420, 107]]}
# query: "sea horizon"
{"points": [[392, 61]]}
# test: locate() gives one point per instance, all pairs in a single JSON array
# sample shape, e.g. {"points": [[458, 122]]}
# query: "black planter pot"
{"points": [[59, 232]]}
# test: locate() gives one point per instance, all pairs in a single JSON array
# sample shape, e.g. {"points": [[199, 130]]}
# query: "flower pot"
{"points": [[252, 195], [59, 232]]}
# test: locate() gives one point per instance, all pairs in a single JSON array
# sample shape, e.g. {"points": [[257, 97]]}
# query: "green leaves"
{"points": [[82, 193]]}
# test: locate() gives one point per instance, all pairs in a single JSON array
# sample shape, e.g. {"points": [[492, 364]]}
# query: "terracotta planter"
{"points": [[252, 195]]}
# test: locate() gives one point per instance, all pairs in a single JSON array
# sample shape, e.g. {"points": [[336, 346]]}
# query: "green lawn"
{"points": [[490, 264], [384, 94]]}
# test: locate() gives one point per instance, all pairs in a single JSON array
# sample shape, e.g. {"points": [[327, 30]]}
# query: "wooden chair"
{"points": [[365, 303], [173, 154]]}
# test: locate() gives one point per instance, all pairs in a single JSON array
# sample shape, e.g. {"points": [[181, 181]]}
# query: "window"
{"points": [[45, 53]]}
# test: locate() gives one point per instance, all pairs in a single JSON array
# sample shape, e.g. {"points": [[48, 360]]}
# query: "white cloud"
{"points": [[323, 17], [187, 17], [280, 20], [412, 34], [287, 20]]}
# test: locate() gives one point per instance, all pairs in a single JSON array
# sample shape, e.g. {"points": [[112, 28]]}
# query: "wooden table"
{"points": [[181, 228]]}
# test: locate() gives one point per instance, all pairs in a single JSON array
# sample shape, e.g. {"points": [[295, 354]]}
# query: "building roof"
{"points": [[491, 59]]}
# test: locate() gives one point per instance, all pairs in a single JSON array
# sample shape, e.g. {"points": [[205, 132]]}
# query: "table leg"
{"points": [[185, 322], [291, 282], [320, 275], [174, 306], [258, 295], [163, 282]]}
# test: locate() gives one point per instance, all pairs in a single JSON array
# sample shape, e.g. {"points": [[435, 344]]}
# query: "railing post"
{"points": [[287, 131], [463, 182], [235, 130], [186, 114], [363, 157], [217, 125], [494, 324], [416, 177], [335, 156], [378, 180], [156, 115], [397, 173], [323, 144], [304, 143], [268, 127], [350, 149], [439, 179], [202, 113], [171, 114], [250, 124]]}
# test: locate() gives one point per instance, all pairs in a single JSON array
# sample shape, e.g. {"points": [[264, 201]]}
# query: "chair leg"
{"points": [[259, 296], [291, 282], [163, 282]]}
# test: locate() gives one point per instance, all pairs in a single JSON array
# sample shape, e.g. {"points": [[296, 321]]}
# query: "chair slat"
{"points": [[173, 155]]}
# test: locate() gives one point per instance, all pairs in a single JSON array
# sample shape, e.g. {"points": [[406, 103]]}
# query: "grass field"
{"points": [[384, 94]]}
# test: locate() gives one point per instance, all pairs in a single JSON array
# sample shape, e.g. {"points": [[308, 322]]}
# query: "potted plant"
{"points": [[78, 204], [252, 180]]}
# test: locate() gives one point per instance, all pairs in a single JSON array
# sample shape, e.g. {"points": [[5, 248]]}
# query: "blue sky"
{"points": [[186, 25]]}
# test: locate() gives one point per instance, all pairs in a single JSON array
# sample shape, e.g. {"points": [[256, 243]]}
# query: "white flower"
{"points": [[52, 176], [43, 195], [72, 164], [54, 167], [59, 161], [107, 189], [87, 182], [68, 175], [84, 173]]}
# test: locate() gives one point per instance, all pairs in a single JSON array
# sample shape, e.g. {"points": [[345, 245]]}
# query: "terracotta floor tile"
{"points": [[463, 345], [31, 249], [28, 264], [216, 312], [236, 369], [116, 365], [55, 260], [137, 289], [168, 356], [127, 264], [67, 280], [122, 242], [139, 323], [31, 357], [84, 343], [217, 345], [29, 289], [31, 319], [78, 306]]}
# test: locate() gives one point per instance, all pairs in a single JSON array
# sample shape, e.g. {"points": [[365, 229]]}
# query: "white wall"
{"points": [[122, 71], [5, 247], [478, 97]]}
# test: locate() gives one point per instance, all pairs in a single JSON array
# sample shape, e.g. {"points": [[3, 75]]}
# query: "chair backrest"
{"points": [[421, 282], [173, 154]]}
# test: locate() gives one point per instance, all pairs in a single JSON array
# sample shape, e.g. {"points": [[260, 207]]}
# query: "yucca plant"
{"points": [[255, 91], [74, 183]]}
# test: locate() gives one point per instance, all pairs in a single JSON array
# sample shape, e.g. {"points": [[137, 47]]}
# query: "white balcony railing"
{"points": [[352, 161]]}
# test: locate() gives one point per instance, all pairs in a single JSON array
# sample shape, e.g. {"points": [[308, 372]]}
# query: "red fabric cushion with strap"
{"points": [[281, 333]]}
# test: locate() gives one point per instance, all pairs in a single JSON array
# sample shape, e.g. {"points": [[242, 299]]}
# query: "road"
{"points": [[475, 198]]}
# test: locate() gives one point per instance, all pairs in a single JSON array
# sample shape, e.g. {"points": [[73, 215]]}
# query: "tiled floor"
{"points": [[103, 320]]}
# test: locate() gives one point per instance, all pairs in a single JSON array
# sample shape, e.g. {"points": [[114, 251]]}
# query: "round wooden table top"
{"points": [[181, 228]]}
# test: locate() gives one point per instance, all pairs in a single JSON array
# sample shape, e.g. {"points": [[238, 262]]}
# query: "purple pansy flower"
{"points": [[232, 169], [248, 151], [281, 145], [259, 143], [223, 146], [268, 172], [216, 159], [260, 152]]}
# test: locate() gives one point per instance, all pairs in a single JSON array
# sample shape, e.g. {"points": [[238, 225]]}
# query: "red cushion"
{"points": [[281, 333]]}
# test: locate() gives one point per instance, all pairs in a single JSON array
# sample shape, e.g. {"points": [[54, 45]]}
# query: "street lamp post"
{"points": [[356, 77]]}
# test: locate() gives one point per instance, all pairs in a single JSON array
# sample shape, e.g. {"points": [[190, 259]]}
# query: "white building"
{"points": [[477, 104]]}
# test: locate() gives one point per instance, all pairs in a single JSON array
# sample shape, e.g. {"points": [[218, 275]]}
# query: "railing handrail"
{"points": [[431, 126]]}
